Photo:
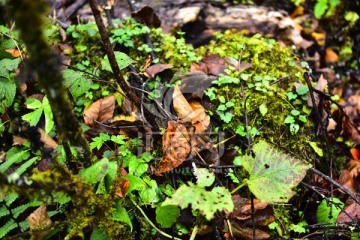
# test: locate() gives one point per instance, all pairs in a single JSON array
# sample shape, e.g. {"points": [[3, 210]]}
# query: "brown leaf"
{"points": [[182, 107], [101, 110], [321, 86], [210, 64], [47, 140], [241, 232], [195, 83], [232, 61], [176, 147], [351, 213], [192, 112], [157, 68], [39, 222], [330, 56], [263, 212], [148, 16], [202, 120]]}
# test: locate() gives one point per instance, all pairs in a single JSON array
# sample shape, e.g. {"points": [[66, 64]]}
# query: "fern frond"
{"points": [[10, 225]]}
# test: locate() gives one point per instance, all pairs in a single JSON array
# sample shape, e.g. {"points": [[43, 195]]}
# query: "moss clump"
{"points": [[276, 107]]}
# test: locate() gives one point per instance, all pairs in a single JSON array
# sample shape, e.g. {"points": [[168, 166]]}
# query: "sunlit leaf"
{"points": [[207, 202], [166, 215], [273, 174]]}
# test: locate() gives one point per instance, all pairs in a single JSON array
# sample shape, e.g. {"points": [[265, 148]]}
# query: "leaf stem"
{"points": [[238, 187], [151, 223], [194, 232]]}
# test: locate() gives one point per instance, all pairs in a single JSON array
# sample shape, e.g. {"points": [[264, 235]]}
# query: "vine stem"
{"points": [[151, 223]]}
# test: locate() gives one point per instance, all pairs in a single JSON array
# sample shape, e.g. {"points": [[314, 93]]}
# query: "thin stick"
{"points": [[357, 200], [113, 63], [151, 223]]}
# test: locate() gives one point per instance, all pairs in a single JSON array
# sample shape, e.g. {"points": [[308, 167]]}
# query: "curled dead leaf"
{"points": [[157, 68], [202, 120], [39, 222], [176, 147], [192, 112], [351, 213], [101, 111]]}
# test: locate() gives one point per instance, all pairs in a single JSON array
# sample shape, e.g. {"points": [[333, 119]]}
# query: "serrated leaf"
{"points": [[207, 202], [205, 177], [120, 214], [273, 174], [96, 172], [166, 215], [324, 210], [7, 93], [77, 83], [34, 117], [136, 183], [122, 59], [8, 65], [99, 234]]}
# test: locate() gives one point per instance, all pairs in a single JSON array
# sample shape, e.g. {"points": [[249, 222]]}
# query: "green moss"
{"points": [[267, 103]]}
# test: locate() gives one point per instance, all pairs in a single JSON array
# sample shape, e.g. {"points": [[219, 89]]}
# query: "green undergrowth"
{"points": [[275, 91], [107, 199]]}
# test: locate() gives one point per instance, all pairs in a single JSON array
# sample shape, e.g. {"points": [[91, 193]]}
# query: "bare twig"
{"points": [[114, 66]]}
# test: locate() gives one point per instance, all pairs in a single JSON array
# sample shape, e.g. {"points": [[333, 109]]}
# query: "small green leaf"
{"points": [[166, 215], [96, 172], [49, 122], [76, 82], [291, 96], [136, 183], [320, 8], [8, 65], [263, 109], [273, 174], [205, 177], [207, 202], [295, 112], [318, 150], [121, 215], [138, 167], [324, 210], [122, 60], [34, 117], [7, 93], [303, 118], [289, 119], [294, 128], [119, 139], [301, 90]]}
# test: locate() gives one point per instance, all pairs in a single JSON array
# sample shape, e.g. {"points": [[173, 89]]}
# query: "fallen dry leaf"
{"points": [[330, 56], [195, 83], [148, 16], [101, 111], [319, 38], [321, 86], [210, 64], [192, 112], [176, 147], [39, 222], [351, 213], [202, 120], [157, 68]]}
